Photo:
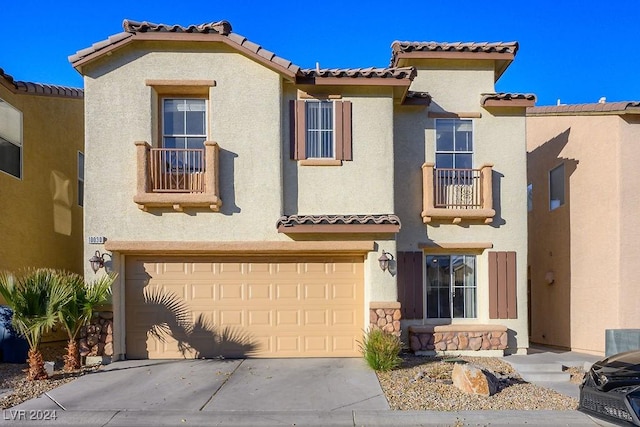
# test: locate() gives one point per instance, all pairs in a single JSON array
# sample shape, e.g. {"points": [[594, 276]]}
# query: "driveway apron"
{"points": [[221, 385]]}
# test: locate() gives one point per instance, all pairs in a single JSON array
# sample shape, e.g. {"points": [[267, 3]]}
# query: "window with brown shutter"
{"points": [[320, 129], [410, 284], [502, 285]]}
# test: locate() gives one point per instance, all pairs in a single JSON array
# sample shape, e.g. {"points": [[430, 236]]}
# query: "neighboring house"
{"points": [[248, 205], [41, 175], [584, 225]]}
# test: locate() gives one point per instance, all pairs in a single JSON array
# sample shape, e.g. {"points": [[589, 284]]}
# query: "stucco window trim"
{"points": [[453, 115], [443, 248]]}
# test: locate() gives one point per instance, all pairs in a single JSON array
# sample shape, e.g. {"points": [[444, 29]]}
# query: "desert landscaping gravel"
{"points": [[424, 383], [421, 383]]}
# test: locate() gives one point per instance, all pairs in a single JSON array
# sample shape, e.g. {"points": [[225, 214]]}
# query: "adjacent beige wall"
{"points": [[499, 139], [41, 222], [590, 243]]}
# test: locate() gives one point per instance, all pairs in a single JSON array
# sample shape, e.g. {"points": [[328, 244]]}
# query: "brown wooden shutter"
{"points": [[338, 128], [347, 150], [297, 137], [502, 285], [410, 284]]}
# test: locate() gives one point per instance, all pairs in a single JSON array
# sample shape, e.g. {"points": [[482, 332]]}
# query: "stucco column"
{"points": [[427, 187], [142, 150], [486, 172], [211, 184]]}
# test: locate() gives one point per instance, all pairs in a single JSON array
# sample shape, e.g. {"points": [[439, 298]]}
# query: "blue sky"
{"points": [[575, 51]]}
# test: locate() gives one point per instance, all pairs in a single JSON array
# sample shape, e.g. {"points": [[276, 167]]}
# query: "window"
{"points": [[451, 286], [454, 144], [320, 122], [184, 129], [10, 140], [556, 187], [80, 179], [321, 129], [529, 197]]}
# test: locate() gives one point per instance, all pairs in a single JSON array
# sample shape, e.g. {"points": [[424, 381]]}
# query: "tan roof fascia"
{"points": [[509, 103], [359, 81], [167, 36], [447, 247], [240, 248]]}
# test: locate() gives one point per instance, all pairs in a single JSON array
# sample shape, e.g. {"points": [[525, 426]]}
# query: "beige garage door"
{"points": [[236, 307]]}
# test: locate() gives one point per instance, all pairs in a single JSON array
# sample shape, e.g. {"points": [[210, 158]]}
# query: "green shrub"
{"points": [[381, 350]]}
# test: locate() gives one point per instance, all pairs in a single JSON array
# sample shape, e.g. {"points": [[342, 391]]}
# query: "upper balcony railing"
{"points": [[177, 170], [456, 194], [177, 178]]}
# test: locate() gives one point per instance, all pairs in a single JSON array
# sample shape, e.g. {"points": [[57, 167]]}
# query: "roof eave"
{"points": [[509, 103], [183, 37]]}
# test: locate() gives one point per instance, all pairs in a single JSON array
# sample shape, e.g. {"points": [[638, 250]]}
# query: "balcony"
{"points": [[177, 178], [457, 194]]}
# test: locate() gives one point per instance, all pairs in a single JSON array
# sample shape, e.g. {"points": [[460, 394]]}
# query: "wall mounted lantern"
{"points": [[384, 260], [97, 261]]}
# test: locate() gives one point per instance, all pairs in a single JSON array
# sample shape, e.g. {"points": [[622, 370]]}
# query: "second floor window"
{"points": [[80, 179], [10, 140], [319, 119], [184, 123], [556, 187], [454, 144]]}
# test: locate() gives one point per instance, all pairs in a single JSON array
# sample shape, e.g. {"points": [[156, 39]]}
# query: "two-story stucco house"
{"points": [[251, 207], [583, 212], [41, 175]]}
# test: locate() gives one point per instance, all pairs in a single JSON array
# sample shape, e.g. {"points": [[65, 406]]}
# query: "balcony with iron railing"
{"points": [[177, 178], [457, 194]]}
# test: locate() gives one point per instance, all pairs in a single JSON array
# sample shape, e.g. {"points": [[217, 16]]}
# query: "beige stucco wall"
{"points": [[585, 241], [41, 222], [499, 140]]}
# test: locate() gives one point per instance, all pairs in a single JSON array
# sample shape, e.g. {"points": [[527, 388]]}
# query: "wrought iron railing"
{"points": [[174, 170], [457, 188]]}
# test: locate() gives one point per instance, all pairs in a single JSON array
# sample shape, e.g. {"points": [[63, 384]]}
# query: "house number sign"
{"points": [[97, 240]]}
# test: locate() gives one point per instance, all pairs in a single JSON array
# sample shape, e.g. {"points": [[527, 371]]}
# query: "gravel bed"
{"points": [[13, 378], [424, 383]]}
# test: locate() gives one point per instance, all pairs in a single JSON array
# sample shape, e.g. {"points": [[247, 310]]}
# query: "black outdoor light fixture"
{"points": [[97, 261], [384, 260]]}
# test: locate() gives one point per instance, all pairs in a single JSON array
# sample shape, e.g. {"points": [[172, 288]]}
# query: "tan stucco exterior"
{"points": [[259, 182], [588, 246], [41, 220]]}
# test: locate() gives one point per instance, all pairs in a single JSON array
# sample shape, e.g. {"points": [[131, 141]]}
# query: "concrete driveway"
{"points": [[221, 385]]}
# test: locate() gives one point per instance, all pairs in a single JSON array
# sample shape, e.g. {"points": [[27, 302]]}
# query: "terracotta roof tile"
{"points": [[396, 73], [41, 88], [624, 107], [484, 47], [292, 220], [505, 96], [222, 28]]}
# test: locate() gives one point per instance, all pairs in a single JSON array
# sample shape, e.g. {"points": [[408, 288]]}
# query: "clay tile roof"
{"points": [[505, 96], [623, 107], [483, 47], [293, 220], [417, 98], [395, 73], [40, 88], [222, 28]]}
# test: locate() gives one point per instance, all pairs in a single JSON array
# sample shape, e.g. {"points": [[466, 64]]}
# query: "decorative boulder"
{"points": [[473, 380]]}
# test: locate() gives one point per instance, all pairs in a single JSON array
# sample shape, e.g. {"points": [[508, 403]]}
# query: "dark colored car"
{"points": [[611, 389]]}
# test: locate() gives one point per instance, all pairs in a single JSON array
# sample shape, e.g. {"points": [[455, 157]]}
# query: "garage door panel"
{"points": [[282, 307]]}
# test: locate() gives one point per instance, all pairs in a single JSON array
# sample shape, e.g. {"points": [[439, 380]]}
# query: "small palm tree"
{"points": [[36, 297], [77, 312]]}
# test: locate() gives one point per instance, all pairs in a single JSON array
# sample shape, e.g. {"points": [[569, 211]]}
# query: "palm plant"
{"points": [[36, 297], [77, 312]]}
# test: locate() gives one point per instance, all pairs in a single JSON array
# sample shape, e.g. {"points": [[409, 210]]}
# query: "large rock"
{"points": [[473, 380]]}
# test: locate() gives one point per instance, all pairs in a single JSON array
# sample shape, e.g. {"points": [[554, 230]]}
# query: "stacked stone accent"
{"points": [[457, 338], [385, 316], [96, 339]]}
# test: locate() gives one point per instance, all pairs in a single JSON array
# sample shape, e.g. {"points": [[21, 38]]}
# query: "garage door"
{"points": [[237, 307]]}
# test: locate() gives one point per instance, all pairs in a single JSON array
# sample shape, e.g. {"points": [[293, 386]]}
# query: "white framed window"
{"points": [[10, 140], [320, 129], [184, 122], [556, 187], [529, 197], [454, 144], [80, 178], [451, 286]]}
